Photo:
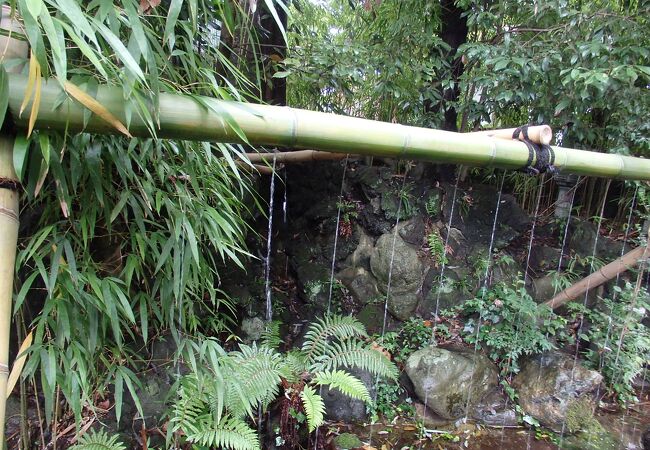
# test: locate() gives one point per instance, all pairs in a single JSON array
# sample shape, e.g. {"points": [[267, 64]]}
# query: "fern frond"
{"points": [[271, 335], [229, 433], [253, 378], [338, 327], [190, 409], [296, 365], [314, 407], [355, 354], [344, 382], [99, 440]]}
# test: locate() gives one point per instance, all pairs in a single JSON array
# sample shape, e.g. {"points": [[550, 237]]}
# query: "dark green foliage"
{"points": [[619, 343], [414, 334], [508, 323], [98, 441]]}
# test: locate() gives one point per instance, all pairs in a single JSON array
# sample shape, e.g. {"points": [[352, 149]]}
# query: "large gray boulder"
{"points": [[550, 384], [405, 270], [449, 381]]}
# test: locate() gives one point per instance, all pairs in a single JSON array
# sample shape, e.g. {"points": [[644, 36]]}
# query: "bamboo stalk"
{"points": [[182, 117], [10, 48], [264, 170], [295, 156], [540, 134], [601, 276]]}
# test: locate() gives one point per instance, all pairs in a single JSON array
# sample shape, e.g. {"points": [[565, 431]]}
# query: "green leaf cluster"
{"points": [[226, 388]]}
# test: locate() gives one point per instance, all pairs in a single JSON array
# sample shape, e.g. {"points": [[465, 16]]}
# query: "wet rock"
{"points": [[413, 232], [645, 440], [445, 378], [543, 289], [361, 284], [495, 410], [339, 406], [405, 270], [544, 259], [428, 418], [252, 329], [582, 238], [454, 289], [548, 386]]}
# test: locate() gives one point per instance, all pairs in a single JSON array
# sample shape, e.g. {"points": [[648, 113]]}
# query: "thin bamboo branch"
{"points": [[540, 134], [601, 276], [183, 117], [264, 170], [14, 48], [295, 156]]}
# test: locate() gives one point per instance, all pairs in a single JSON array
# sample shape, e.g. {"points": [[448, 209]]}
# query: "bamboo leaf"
{"points": [[170, 24], [21, 147], [31, 82], [71, 9], [37, 100], [96, 107], [34, 7], [4, 94], [119, 392], [19, 363], [270, 4], [121, 51]]}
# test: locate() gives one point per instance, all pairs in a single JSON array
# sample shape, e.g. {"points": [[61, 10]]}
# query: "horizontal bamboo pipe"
{"points": [[181, 117], [295, 156], [539, 134], [601, 276]]}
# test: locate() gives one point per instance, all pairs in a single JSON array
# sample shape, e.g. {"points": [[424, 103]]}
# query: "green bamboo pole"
{"points": [[181, 117], [10, 48]]}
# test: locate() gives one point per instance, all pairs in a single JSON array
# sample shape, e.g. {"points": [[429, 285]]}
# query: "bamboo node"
{"points": [[8, 183], [8, 213], [4, 369]]}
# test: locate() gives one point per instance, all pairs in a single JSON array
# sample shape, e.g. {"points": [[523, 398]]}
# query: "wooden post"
{"points": [[10, 48]]}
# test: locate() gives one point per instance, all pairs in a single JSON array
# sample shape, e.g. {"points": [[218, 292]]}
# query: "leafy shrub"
{"points": [[620, 342], [511, 324], [414, 334]]}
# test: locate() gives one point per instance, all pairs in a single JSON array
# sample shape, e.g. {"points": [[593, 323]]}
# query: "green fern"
{"points": [[271, 335], [317, 338], [99, 440], [358, 354], [344, 382], [230, 432], [255, 375], [314, 407]]}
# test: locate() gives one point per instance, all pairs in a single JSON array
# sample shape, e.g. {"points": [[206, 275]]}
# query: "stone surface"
{"points": [[406, 272], [339, 406], [544, 259], [543, 289], [548, 385], [252, 329], [581, 241], [445, 378], [495, 410]]}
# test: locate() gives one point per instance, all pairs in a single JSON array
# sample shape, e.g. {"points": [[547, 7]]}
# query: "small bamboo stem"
{"points": [[11, 48], [601, 276], [539, 134], [295, 156]]}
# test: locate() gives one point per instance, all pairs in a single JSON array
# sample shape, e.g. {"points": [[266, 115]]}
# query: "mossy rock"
{"points": [[347, 441]]}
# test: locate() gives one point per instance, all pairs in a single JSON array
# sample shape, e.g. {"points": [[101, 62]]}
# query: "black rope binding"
{"points": [[543, 155]]}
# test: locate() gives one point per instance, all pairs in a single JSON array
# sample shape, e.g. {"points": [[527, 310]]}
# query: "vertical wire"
{"points": [[483, 292], [558, 270], [333, 266], [586, 297], [388, 282], [440, 280]]}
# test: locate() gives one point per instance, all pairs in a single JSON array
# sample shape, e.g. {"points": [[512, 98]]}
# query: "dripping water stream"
{"points": [[267, 260]]}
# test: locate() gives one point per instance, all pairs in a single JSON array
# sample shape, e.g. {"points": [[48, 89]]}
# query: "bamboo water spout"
{"points": [[182, 117]]}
